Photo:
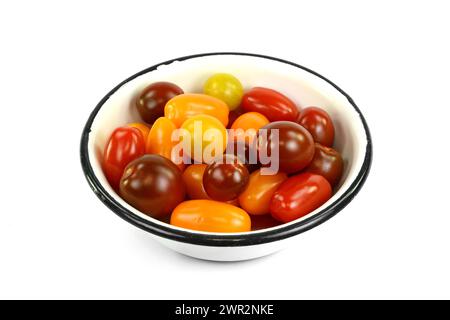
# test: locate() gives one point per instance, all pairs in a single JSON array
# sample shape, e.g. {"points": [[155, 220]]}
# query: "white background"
{"points": [[58, 59]]}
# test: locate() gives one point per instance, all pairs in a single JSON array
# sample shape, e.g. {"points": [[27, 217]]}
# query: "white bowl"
{"points": [[305, 87]]}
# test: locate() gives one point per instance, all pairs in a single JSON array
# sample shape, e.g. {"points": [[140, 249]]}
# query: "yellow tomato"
{"points": [[252, 121], [159, 140], [184, 106], [255, 199], [225, 87], [210, 216], [143, 128], [204, 138]]}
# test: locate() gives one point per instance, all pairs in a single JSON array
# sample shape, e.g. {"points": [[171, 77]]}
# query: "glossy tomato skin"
{"points": [[247, 154], [318, 122], [295, 145], [328, 163], [124, 145], [272, 104], [193, 180], [159, 141], [245, 127], [256, 197], [226, 178], [153, 185], [143, 128], [184, 106], [298, 196], [210, 216], [225, 87], [151, 102]]}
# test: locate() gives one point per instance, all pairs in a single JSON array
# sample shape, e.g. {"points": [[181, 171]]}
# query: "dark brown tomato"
{"points": [[295, 146], [153, 185], [328, 163], [248, 155], [225, 178], [318, 122], [153, 99]]}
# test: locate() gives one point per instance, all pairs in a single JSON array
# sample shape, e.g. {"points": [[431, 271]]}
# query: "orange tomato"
{"points": [[255, 199], [159, 140], [210, 216], [246, 121], [193, 180], [143, 128], [184, 106], [205, 136]]}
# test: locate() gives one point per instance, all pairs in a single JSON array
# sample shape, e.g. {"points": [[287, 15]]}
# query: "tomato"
{"points": [[225, 87], [205, 136], [225, 178], [152, 184], [251, 121], [319, 124], [210, 216], [193, 179], [328, 163], [298, 196], [256, 197], [263, 222], [233, 115], [124, 145], [150, 103], [143, 128], [295, 145], [160, 141], [272, 104], [185, 106]]}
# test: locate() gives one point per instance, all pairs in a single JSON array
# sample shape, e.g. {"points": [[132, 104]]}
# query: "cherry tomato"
{"points": [[185, 106], [193, 179], [124, 145], [298, 196], [295, 145], [225, 87], [246, 154], [153, 185], [225, 178], [205, 136], [328, 163], [319, 124], [274, 105], [210, 216], [233, 115], [251, 121], [263, 222], [160, 140], [153, 98], [255, 199], [143, 128]]}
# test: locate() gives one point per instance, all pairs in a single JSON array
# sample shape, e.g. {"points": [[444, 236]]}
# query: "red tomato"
{"points": [[124, 145], [272, 104], [298, 196], [328, 163], [319, 124]]}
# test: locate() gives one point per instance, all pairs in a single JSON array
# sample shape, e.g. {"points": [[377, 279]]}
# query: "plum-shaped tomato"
{"points": [[328, 163], [295, 145], [152, 184], [272, 104], [299, 195], [225, 178], [319, 124], [153, 99], [124, 145]]}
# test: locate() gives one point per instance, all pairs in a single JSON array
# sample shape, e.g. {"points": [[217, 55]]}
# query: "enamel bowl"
{"points": [[305, 87]]}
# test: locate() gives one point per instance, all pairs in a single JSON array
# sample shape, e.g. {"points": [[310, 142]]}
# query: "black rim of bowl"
{"points": [[223, 240]]}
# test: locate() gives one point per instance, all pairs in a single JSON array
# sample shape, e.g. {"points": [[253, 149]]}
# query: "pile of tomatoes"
{"points": [[228, 193]]}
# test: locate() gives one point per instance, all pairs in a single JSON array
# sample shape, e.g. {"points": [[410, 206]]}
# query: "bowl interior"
{"points": [[303, 87]]}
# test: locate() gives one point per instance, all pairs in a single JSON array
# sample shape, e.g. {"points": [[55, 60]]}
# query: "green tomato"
{"points": [[225, 87]]}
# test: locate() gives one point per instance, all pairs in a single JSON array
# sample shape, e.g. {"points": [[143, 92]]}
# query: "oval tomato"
{"points": [[298, 196], [124, 145], [319, 124], [328, 163], [272, 104]]}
